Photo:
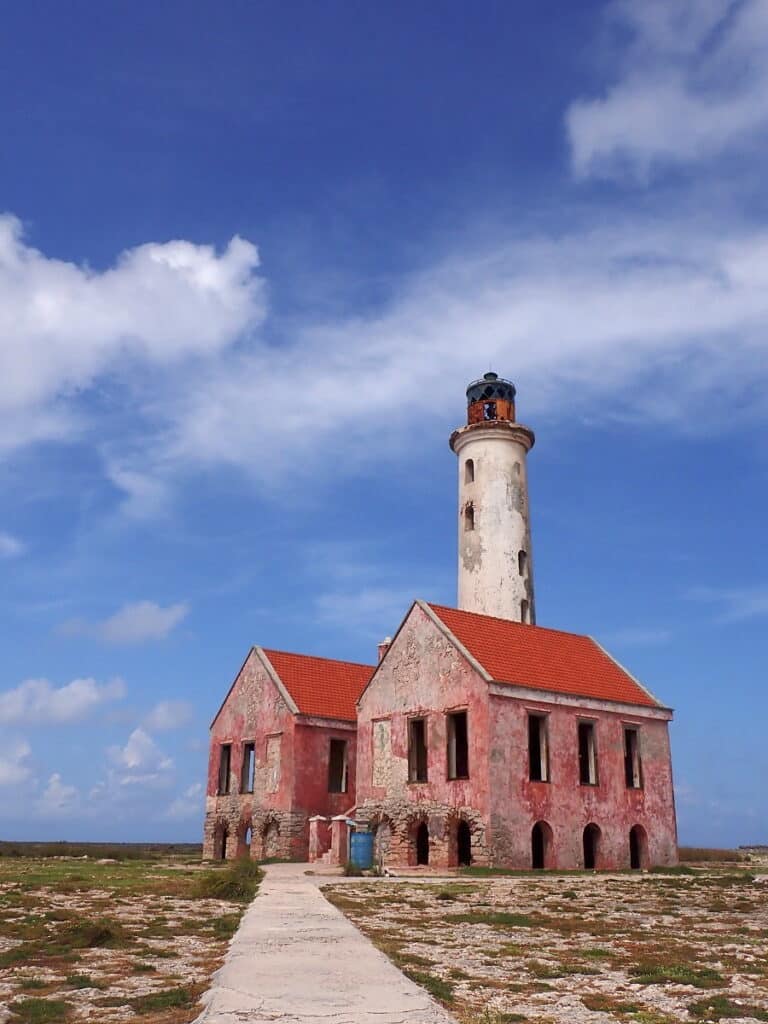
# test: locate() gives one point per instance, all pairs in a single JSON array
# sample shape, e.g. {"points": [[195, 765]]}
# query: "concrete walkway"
{"points": [[297, 960]]}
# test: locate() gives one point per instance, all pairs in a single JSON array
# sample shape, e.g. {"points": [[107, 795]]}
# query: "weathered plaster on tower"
{"points": [[495, 568]]}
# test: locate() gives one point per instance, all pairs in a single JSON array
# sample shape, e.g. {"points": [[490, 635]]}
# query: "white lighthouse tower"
{"points": [[495, 569]]}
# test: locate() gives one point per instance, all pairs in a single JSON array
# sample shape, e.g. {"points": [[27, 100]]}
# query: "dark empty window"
{"points": [[489, 410], [469, 471], [587, 754], [522, 560], [524, 611], [225, 757], [469, 517], [458, 750], [337, 767], [538, 755], [632, 766], [417, 750], [249, 768]]}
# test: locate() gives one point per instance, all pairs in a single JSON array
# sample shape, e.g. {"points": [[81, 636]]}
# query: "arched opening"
{"points": [[469, 471], [247, 839], [591, 841], [223, 840], [463, 844], [522, 561], [541, 845], [469, 517], [422, 844], [638, 848]]}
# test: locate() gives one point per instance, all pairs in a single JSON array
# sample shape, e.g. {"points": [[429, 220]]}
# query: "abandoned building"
{"points": [[478, 737]]}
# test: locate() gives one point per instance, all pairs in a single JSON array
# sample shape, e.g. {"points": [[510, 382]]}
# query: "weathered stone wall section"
{"points": [[422, 675]]}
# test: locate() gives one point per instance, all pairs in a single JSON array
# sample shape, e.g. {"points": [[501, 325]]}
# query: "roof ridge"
{"points": [[317, 657], [512, 622]]}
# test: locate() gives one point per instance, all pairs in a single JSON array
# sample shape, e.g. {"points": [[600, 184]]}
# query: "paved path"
{"points": [[297, 960]]}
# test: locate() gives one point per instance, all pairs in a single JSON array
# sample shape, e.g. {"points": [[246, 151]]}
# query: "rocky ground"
{"points": [[658, 948], [107, 941]]}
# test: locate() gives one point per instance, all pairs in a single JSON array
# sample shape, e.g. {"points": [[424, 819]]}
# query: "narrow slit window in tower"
{"points": [[417, 750], [524, 611], [587, 754], [469, 517], [469, 471], [632, 766], [538, 753], [522, 561], [458, 750], [225, 757], [249, 768], [337, 767]]}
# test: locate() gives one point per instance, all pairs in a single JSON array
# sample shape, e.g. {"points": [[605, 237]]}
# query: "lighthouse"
{"points": [[495, 565]]}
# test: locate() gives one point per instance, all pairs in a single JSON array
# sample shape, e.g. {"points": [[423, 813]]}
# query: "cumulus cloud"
{"points": [[64, 325], [14, 762], [188, 806], [133, 624], [38, 702], [693, 83], [58, 799], [10, 546], [140, 761], [169, 714]]}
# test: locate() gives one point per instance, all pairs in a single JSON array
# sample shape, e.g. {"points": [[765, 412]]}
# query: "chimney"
{"points": [[384, 646]]}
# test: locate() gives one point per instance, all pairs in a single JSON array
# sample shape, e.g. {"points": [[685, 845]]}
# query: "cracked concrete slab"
{"points": [[297, 960]]}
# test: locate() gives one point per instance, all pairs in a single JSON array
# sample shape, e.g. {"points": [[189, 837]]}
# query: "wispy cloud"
{"points": [[693, 82], [133, 624], [639, 636], [38, 702], [14, 762], [188, 806], [58, 799], [169, 714], [733, 604], [140, 760], [10, 546]]}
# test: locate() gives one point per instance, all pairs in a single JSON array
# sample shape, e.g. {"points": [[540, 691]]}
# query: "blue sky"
{"points": [[250, 256]]}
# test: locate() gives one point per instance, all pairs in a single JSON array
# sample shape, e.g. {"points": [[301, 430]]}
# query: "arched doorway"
{"points": [[463, 844], [223, 839], [541, 845], [422, 844], [591, 842], [638, 847]]}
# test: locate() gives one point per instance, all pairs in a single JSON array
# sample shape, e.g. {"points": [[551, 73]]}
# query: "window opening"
{"points": [[637, 847], [587, 754], [469, 517], [522, 560], [422, 844], [337, 767], [632, 765], [417, 750], [458, 748], [248, 774], [463, 844], [524, 616], [538, 758], [248, 837], [469, 471], [225, 757], [489, 410], [591, 840]]}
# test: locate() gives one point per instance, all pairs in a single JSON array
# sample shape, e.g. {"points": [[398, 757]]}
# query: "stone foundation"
{"points": [[396, 825], [232, 830]]}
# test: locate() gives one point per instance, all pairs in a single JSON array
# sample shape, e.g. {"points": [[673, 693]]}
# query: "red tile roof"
{"points": [[321, 686], [544, 659]]}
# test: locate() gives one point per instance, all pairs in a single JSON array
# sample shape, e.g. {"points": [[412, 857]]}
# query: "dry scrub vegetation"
{"points": [[106, 940], [658, 948]]}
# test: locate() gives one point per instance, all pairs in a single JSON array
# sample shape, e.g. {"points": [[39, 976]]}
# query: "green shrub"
{"points": [[39, 1011], [238, 881]]}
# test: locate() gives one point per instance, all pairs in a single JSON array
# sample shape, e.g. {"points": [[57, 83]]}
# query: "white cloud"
{"points": [[64, 325], [58, 799], [188, 806], [10, 546], [38, 702], [140, 761], [169, 714], [132, 624], [14, 767], [693, 83], [733, 604], [639, 636]]}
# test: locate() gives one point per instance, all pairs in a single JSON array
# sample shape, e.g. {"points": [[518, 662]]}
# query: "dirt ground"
{"points": [[658, 948], [107, 941]]}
